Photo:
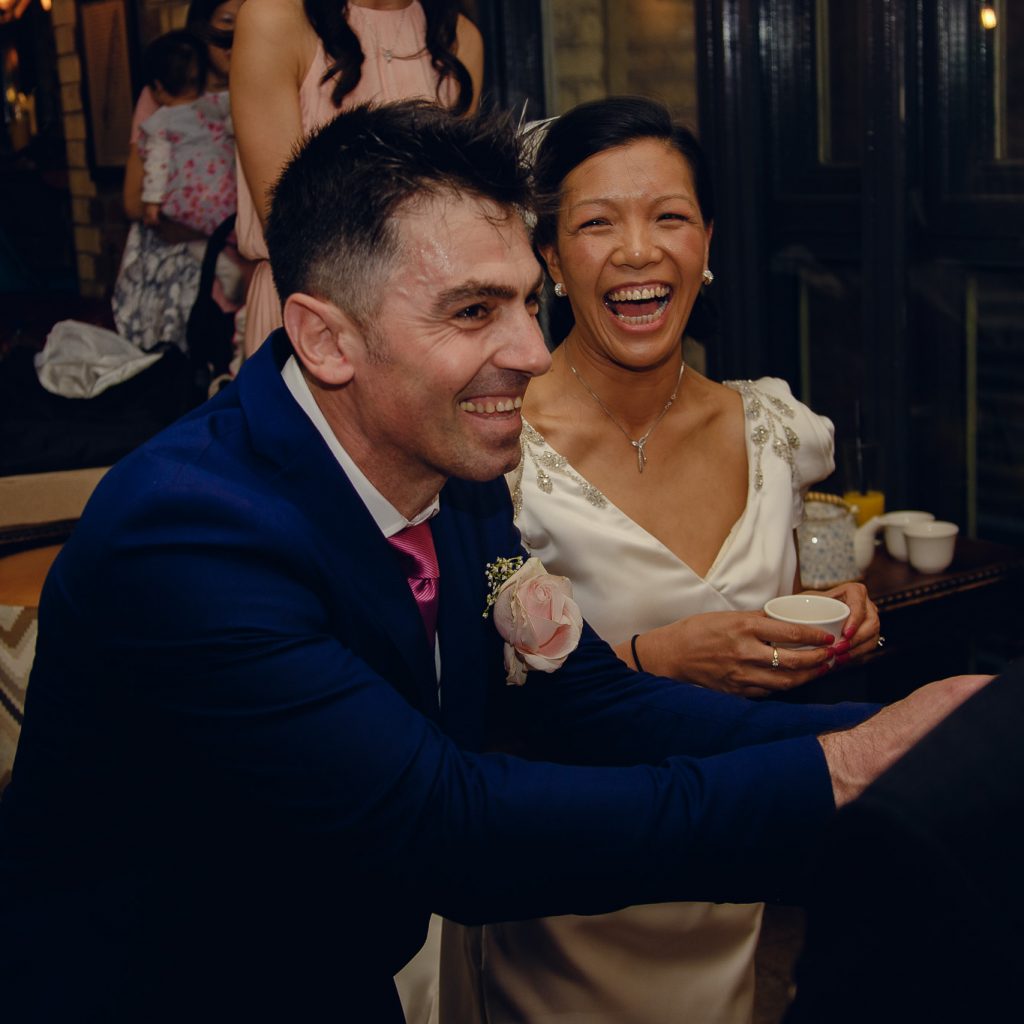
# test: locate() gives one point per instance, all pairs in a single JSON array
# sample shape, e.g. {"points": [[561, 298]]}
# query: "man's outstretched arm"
{"points": [[857, 756]]}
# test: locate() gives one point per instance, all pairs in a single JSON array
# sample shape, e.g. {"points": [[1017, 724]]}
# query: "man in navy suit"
{"points": [[247, 772]]}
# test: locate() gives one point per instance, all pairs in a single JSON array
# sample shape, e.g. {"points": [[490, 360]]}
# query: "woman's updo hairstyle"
{"points": [[592, 128]]}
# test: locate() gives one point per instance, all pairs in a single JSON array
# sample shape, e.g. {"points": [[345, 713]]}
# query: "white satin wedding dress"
{"points": [[680, 963]]}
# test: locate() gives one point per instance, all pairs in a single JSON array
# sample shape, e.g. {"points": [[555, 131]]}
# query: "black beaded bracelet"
{"points": [[636, 657]]}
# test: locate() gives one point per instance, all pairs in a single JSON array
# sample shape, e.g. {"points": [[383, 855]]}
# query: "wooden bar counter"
{"points": [[966, 619]]}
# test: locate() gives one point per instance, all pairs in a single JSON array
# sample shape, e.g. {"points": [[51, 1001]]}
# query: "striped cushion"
{"points": [[18, 630]]}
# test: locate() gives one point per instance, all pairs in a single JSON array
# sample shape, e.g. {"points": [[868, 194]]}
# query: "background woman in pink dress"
{"points": [[297, 65]]}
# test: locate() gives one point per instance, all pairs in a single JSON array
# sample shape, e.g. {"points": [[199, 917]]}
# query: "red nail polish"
{"points": [[841, 648], [849, 631], [829, 638], [825, 669], [842, 659]]}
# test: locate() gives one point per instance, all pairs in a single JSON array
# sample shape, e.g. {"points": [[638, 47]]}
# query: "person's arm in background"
{"points": [[268, 61], [469, 48], [156, 171], [134, 173], [133, 168]]}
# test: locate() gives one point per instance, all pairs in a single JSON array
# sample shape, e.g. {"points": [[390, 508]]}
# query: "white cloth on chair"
{"points": [[80, 360]]}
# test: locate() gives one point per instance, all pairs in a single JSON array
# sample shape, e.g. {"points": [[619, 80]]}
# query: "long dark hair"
{"points": [[341, 44], [197, 21]]}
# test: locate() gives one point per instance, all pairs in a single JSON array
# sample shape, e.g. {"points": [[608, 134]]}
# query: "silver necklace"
{"points": [[639, 443], [388, 52]]}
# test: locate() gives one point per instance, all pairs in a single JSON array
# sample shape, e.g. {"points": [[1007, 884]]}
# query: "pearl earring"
{"points": [[708, 276], [560, 289]]}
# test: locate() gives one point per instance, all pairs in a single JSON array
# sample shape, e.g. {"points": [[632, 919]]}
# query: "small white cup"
{"points": [[826, 613], [894, 524], [930, 546]]}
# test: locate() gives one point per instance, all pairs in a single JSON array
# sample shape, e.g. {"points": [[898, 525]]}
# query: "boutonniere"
{"points": [[535, 614]]}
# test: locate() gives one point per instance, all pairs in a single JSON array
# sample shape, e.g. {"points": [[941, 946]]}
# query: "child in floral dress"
{"points": [[186, 150], [187, 145]]}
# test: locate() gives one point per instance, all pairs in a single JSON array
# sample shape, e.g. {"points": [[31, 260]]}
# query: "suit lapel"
{"points": [[468, 645], [375, 613]]}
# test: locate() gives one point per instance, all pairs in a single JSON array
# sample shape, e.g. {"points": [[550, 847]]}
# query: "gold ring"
{"points": [[775, 657]]}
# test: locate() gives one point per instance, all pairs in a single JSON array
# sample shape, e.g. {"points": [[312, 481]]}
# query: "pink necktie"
{"points": [[415, 545]]}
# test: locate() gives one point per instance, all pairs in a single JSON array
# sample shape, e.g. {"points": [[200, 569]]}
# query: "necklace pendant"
{"points": [[388, 54], [641, 458]]}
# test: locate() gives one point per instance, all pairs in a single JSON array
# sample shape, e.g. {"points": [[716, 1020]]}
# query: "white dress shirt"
{"points": [[389, 520]]}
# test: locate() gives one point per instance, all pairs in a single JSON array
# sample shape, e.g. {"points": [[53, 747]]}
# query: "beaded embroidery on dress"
{"points": [[544, 461], [771, 412]]}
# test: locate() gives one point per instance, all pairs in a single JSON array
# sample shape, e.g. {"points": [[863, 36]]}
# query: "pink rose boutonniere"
{"points": [[535, 614]]}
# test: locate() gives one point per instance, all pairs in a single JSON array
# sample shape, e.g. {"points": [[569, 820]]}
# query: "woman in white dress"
{"points": [[670, 501]]}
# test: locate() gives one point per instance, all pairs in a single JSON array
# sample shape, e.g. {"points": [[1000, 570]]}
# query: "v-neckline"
{"points": [[633, 524]]}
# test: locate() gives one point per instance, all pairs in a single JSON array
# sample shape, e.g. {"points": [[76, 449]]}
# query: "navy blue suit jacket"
{"points": [[236, 795]]}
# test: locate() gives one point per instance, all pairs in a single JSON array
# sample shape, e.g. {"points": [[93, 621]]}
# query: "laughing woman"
{"points": [[670, 501]]}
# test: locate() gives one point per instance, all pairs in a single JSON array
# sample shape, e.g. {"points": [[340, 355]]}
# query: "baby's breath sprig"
{"points": [[498, 573]]}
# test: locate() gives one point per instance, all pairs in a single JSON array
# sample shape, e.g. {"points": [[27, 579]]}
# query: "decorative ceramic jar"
{"points": [[833, 549]]}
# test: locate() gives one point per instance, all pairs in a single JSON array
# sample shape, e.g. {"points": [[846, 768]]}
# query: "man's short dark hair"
{"points": [[177, 61], [331, 230]]}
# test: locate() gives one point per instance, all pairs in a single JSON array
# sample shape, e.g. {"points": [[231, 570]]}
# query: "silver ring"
{"points": [[881, 640], [775, 657]]}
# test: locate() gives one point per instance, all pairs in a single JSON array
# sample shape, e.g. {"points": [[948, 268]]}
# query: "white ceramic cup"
{"points": [[825, 613], [894, 524], [930, 546]]}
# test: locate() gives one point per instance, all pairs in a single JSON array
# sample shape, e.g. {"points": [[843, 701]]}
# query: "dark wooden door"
{"points": [[514, 54], [870, 239]]}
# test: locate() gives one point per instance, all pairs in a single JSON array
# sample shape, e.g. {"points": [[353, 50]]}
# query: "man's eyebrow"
{"points": [[470, 291]]}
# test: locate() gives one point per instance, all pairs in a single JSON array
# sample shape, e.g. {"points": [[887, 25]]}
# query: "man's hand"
{"points": [[856, 757]]}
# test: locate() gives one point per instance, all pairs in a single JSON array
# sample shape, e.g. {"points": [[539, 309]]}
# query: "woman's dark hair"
{"points": [[177, 61], [592, 128], [200, 12], [198, 21], [342, 45]]}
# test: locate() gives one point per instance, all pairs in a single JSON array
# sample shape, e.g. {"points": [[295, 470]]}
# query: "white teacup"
{"points": [[825, 613], [894, 524], [930, 546]]}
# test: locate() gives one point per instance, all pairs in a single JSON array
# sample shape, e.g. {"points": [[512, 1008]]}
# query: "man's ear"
{"points": [[554, 265], [323, 337]]}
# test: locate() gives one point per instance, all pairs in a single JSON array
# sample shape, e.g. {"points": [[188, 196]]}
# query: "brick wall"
{"points": [[603, 47], [578, 39], [98, 221], [80, 184]]}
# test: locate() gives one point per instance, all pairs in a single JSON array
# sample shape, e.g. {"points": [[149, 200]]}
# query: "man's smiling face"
{"points": [[455, 340]]}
